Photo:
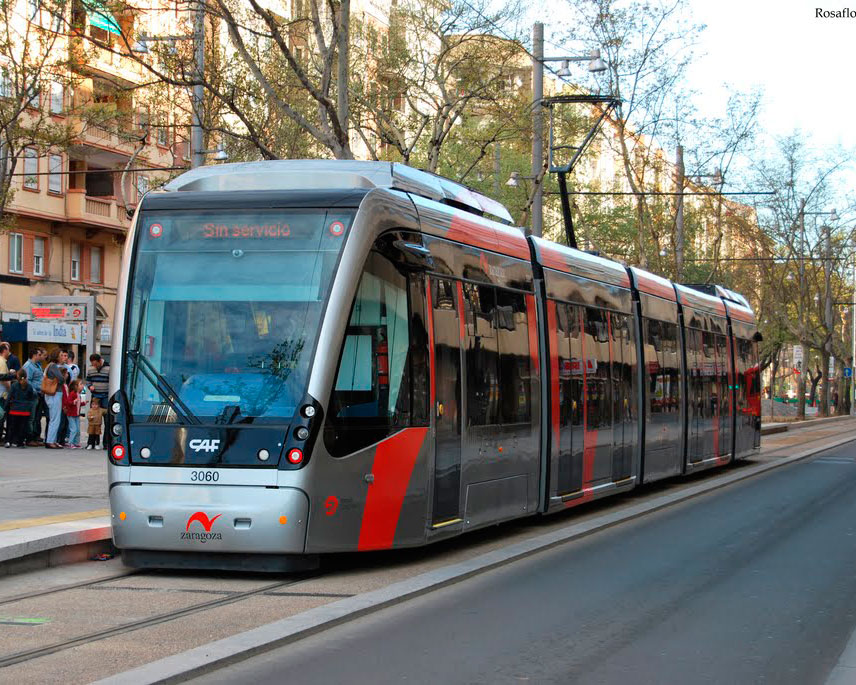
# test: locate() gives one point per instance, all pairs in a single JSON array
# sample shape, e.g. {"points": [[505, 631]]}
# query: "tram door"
{"points": [[448, 409]]}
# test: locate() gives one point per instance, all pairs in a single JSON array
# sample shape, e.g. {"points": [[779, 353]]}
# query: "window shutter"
{"points": [[85, 265], [28, 255]]}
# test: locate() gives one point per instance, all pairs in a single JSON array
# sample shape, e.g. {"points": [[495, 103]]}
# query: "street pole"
{"points": [[679, 215], [537, 125], [197, 138], [827, 321], [802, 314], [853, 350], [342, 69]]}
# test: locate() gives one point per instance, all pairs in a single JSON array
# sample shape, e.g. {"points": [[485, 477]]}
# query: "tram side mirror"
{"points": [[416, 257], [757, 337]]}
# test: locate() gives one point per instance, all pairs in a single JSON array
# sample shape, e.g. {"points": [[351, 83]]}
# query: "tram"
{"points": [[332, 356]]}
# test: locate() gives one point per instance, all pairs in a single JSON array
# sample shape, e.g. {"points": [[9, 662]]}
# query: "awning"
{"points": [[101, 17]]}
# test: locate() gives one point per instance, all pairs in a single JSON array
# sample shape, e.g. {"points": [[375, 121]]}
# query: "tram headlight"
{"points": [[308, 411], [302, 433], [295, 456], [116, 430], [263, 455], [115, 407], [145, 453], [118, 452]]}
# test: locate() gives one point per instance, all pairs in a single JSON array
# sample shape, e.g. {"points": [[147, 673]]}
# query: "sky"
{"points": [[803, 64]]}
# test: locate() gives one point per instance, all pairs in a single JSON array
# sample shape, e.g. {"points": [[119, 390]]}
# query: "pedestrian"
{"points": [[94, 418], [71, 408], [13, 362], [52, 389], [98, 379], [6, 378], [62, 433], [35, 374], [22, 398], [73, 369]]}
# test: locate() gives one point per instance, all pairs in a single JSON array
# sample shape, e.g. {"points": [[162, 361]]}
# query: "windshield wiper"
{"points": [[163, 387]]}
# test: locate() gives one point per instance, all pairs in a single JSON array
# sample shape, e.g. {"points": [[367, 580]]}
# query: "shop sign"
{"points": [[51, 331]]}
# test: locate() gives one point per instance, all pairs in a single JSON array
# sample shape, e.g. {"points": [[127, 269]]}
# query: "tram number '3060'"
{"points": [[204, 476]]}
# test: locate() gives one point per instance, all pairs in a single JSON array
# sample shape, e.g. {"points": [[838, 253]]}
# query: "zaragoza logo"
{"points": [[202, 518]]}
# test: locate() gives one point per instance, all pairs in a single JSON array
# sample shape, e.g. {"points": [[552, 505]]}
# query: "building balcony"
{"points": [[94, 60], [106, 137], [104, 212]]}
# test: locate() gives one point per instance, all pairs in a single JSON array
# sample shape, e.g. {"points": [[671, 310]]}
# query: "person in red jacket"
{"points": [[71, 407]]}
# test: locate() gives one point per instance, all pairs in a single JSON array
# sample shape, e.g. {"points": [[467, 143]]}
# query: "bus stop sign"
{"points": [[848, 372]]}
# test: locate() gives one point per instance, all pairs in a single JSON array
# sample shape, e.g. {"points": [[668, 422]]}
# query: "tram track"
{"points": [[70, 586], [37, 652]]}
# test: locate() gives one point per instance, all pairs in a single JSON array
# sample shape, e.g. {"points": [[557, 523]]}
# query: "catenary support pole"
{"points": [[537, 126], [197, 138]]}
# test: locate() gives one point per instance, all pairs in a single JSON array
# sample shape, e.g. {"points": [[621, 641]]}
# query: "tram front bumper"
{"points": [[206, 518]]}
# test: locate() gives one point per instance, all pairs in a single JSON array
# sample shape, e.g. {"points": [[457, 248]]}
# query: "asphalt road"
{"points": [[755, 583]]}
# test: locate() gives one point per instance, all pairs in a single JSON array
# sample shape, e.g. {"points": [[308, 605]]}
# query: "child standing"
{"points": [[72, 404], [94, 417], [19, 403]]}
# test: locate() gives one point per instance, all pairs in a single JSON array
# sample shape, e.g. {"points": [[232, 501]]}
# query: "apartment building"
{"points": [[71, 206]]}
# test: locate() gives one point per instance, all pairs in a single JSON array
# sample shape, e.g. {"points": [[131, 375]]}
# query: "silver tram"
{"points": [[328, 356]]}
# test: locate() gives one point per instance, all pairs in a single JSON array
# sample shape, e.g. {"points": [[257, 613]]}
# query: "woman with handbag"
{"points": [[52, 387]]}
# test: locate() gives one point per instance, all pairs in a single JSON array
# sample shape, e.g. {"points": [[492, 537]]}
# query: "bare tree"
{"points": [[647, 47]]}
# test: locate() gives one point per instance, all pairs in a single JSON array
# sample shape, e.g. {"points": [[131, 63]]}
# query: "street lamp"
{"points": [[595, 65], [140, 46]]}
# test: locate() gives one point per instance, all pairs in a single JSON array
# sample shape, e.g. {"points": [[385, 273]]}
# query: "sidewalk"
{"points": [[54, 500]]}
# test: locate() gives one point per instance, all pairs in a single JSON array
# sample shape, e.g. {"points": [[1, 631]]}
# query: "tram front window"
{"points": [[225, 311]]}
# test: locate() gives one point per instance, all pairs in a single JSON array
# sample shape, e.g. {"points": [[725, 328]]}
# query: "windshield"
{"points": [[225, 310]]}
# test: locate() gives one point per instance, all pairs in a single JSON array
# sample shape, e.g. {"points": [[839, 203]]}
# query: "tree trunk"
{"points": [[823, 406], [812, 397]]}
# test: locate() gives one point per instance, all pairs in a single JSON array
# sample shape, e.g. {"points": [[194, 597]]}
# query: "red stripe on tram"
{"points": [[392, 467], [553, 333]]}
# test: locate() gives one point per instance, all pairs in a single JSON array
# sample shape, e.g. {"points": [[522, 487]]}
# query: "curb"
{"points": [[53, 544], [772, 428], [221, 653]]}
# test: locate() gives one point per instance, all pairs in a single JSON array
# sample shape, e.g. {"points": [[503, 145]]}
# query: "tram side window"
{"points": [[663, 364], [514, 359], [482, 357], [598, 385], [371, 397]]}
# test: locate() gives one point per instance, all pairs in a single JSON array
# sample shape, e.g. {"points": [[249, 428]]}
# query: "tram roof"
{"points": [[698, 300], [580, 263], [652, 284], [739, 312], [325, 174]]}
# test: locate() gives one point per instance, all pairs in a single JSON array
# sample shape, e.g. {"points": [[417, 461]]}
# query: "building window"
{"points": [[38, 257], [187, 146], [33, 7], [16, 253], [56, 98], [163, 134], [5, 84], [143, 119], [55, 176], [75, 262], [142, 186], [31, 168], [95, 264]]}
